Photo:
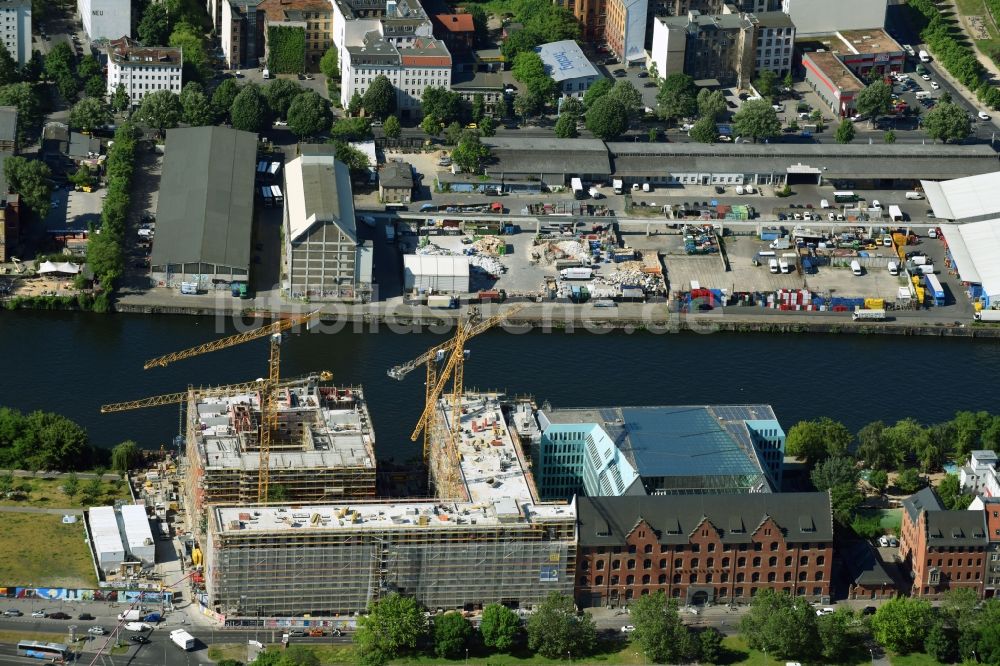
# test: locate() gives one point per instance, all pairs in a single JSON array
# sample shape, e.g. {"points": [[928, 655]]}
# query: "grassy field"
{"points": [[978, 8], [47, 493], [39, 550]]}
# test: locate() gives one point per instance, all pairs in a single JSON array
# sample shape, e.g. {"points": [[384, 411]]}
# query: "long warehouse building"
{"points": [[485, 538]]}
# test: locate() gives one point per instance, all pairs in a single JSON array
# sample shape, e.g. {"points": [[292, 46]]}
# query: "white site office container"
{"points": [[106, 537], [138, 534], [441, 274]]}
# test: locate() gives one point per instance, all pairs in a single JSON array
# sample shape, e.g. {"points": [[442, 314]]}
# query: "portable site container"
{"points": [[106, 537]]}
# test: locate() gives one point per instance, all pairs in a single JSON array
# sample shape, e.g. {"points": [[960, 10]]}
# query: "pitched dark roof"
{"points": [[956, 528], [864, 565], [205, 208], [923, 500], [606, 521]]}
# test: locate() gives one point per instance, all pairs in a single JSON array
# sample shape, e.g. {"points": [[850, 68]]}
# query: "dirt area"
{"points": [[44, 286]]}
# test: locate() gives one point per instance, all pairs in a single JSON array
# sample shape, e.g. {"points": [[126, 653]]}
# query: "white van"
{"points": [[823, 203], [914, 195], [267, 73], [923, 94], [646, 187], [783, 266], [893, 268], [772, 264], [856, 267]]}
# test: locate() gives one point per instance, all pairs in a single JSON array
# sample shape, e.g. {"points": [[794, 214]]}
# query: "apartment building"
{"points": [[703, 549], [774, 39], [105, 19], [682, 7], [625, 30], [566, 63], [410, 68], [943, 550], [706, 46], [314, 17], [990, 507], [817, 17], [143, 70], [593, 16], [15, 28], [241, 32]]}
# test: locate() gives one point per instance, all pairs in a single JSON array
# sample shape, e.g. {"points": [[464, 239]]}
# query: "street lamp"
{"points": [[872, 652]]}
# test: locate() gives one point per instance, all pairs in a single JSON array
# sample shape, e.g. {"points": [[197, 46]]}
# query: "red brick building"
{"points": [[943, 550], [703, 548]]}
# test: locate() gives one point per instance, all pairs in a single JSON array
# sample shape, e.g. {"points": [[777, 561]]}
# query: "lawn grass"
{"points": [[41, 551], [915, 659], [234, 651], [978, 8], [48, 494], [890, 520]]}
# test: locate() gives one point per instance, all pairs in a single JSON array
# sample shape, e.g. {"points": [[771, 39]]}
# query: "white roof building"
{"points": [[107, 540], [443, 274], [138, 534], [568, 66], [975, 247], [969, 199]]}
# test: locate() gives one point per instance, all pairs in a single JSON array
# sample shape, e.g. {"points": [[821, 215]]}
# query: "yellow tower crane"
{"points": [[268, 409], [454, 351]]}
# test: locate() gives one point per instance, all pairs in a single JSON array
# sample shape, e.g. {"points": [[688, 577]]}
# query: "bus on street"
{"points": [[53, 652]]}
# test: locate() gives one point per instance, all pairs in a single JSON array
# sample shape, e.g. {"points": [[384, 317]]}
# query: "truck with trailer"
{"points": [[578, 191], [133, 615], [618, 185], [182, 639], [988, 315], [576, 273], [934, 288], [868, 315], [924, 56], [895, 213]]}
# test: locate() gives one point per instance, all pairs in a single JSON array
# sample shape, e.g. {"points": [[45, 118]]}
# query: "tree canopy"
{"points": [[249, 111], [659, 631], [160, 109], [875, 99], [597, 90], [89, 114], [125, 456], [470, 153], [351, 129], [607, 119], [757, 120], [677, 97], [279, 94], [452, 632], [817, 440], [711, 103], [197, 108], [555, 630], [42, 441], [31, 180], [705, 130], [782, 625], [328, 64], [500, 627], [309, 114], [947, 122], [529, 70], [845, 131], [380, 99], [392, 628], [901, 623]]}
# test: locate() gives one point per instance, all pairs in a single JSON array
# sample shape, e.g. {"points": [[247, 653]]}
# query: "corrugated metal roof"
{"points": [[318, 189], [565, 60], [442, 266], [8, 123], [976, 250], [136, 524], [104, 532], [205, 208], [965, 199]]}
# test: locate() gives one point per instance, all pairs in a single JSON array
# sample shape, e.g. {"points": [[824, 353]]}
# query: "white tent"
{"points": [[63, 267], [443, 274]]}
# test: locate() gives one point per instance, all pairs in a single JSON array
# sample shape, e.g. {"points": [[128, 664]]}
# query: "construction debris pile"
{"points": [[700, 240], [485, 263], [494, 246]]}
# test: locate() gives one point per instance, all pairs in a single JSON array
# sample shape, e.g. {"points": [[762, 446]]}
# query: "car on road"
{"points": [[935, 85], [868, 610], [316, 632], [138, 638], [620, 73], [12, 612], [280, 123], [96, 631], [38, 613], [824, 611], [649, 84], [925, 77], [297, 633], [628, 628], [309, 77], [237, 75], [60, 616], [643, 74], [85, 616], [983, 115]]}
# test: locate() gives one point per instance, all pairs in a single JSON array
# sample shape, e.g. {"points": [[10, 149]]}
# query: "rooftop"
{"points": [[455, 22], [773, 20], [833, 70], [136, 524], [678, 441], [318, 189], [565, 60], [205, 208], [606, 521], [396, 173], [127, 51], [276, 11], [336, 429], [975, 247], [865, 566], [967, 199], [923, 500], [543, 156], [8, 123], [956, 528], [870, 41], [703, 22]]}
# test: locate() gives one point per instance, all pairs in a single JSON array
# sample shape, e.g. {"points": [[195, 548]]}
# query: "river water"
{"points": [[71, 363]]}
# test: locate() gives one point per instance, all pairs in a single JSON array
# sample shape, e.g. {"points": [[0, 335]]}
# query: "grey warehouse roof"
{"points": [[540, 155], [966, 199], [606, 521], [318, 189], [205, 208], [565, 60], [8, 123]]}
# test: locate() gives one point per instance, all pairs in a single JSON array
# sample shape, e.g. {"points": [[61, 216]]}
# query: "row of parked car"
{"points": [[58, 615]]}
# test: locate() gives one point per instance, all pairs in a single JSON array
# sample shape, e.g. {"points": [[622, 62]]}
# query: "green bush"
{"points": [[286, 49]]}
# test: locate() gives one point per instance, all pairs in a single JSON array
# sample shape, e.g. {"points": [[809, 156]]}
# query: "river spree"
{"points": [[71, 363]]}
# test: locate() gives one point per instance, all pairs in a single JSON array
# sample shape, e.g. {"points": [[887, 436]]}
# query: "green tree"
{"points": [[677, 97], [783, 626], [488, 126], [627, 94], [659, 631], [875, 100], [909, 481], [836, 635], [597, 90], [88, 67], [945, 98], [907, 438], [125, 456], [470, 153], [380, 99], [31, 71], [92, 491], [528, 104], [329, 65], [60, 61], [453, 134], [355, 160], [24, 97], [529, 70], [309, 114], [889, 136], [757, 120], [834, 472], [392, 628], [190, 40], [160, 109], [392, 128], [845, 131], [817, 440], [478, 107], [431, 125], [351, 129], [70, 486], [607, 119], [950, 491], [225, 93], [451, 635], [788, 82], [968, 431], [879, 480], [479, 20], [940, 643], [354, 104], [901, 623], [154, 28], [710, 644], [766, 83], [95, 86], [518, 43], [443, 105], [711, 103], [705, 130], [555, 629], [500, 627], [874, 449], [565, 127], [89, 114], [250, 112], [279, 94], [197, 110], [31, 180], [845, 498], [8, 67], [947, 122]]}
